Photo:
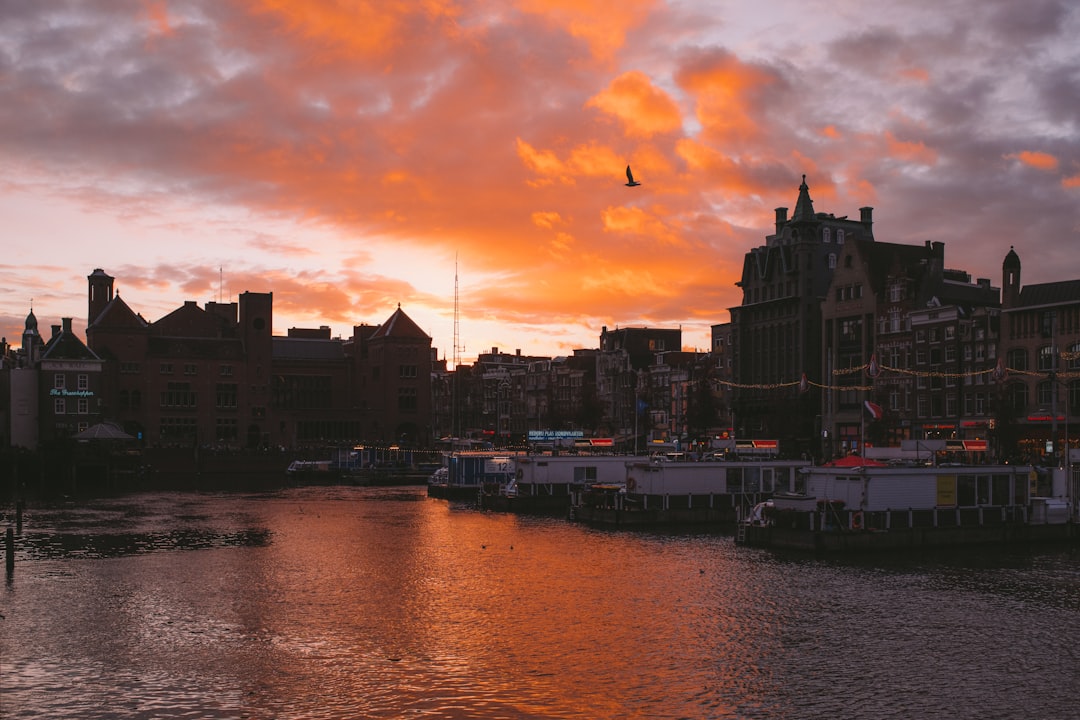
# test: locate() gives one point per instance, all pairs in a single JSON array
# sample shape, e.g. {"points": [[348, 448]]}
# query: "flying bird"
{"points": [[631, 182]]}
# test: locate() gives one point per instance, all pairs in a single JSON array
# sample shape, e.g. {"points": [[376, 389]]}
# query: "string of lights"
{"points": [[1000, 375]]}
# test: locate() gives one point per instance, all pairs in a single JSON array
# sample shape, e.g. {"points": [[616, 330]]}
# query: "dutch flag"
{"points": [[874, 409]]}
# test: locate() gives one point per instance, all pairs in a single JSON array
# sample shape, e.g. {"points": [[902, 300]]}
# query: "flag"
{"points": [[1000, 373], [804, 384], [874, 409], [872, 368]]}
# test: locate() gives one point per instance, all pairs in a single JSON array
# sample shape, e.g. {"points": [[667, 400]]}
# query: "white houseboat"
{"points": [[856, 504], [683, 493], [546, 483]]}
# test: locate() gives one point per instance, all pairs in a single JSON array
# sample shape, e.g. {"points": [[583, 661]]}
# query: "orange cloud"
{"points": [[643, 109], [353, 28], [546, 220], [1037, 160], [830, 131], [635, 221], [908, 151], [158, 15], [600, 23], [728, 93], [915, 74], [1071, 182]]}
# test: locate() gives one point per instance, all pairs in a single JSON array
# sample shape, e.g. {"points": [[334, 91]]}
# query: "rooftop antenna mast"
{"points": [[219, 281], [456, 324], [453, 378]]}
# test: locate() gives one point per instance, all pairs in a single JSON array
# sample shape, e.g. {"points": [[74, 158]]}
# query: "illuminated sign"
{"points": [[536, 435], [64, 392]]}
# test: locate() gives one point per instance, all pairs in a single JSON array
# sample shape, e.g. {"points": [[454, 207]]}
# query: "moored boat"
{"points": [[872, 506]]}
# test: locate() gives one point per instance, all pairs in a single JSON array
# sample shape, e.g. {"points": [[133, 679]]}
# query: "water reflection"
{"points": [[381, 603]]}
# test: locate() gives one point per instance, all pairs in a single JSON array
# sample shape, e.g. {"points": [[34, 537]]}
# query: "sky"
{"points": [[465, 158]]}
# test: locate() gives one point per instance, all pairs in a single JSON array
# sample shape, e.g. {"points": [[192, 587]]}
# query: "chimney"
{"points": [[781, 218], [55, 330], [866, 216], [67, 325]]}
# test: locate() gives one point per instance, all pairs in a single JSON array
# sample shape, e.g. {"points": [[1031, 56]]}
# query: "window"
{"points": [[840, 237], [84, 406], [84, 381], [1046, 394], [191, 369], [227, 430], [59, 381], [165, 368], [1017, 359], [826, 235], [178, 395], [832, 261], [407, 399], [177, 429], [225, 370], [225, 397], [129, 368], [407, 371], [59, 406], [896, 291]]}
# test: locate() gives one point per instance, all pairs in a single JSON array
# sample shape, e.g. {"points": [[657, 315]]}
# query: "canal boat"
{"points": [[685, 493], [467, 473], [853, 505], [545, 483]]}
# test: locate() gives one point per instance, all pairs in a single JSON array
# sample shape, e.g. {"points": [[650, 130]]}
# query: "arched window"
{"points": [[1017, 359], [832, 261], [839, 237], [826, 235]]}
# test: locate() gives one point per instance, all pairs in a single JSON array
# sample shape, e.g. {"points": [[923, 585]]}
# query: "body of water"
{"points": [[383, 603]]}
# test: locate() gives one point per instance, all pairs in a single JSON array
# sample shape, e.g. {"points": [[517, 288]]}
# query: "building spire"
{"points": [[804, 207]]}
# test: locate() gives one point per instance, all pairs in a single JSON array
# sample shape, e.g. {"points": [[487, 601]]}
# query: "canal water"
{"points": [[384, 603]]}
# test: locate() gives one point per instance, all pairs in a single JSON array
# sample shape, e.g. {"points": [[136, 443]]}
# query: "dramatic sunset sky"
{"points": [[348, 155]]}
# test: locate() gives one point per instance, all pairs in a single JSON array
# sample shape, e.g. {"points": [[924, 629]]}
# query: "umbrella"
{"points": [[854, 461], [103, 431]]}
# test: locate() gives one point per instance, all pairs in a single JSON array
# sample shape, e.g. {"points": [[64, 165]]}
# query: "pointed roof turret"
{"points": [[804, 207], [31, 322], [1012, 260]]}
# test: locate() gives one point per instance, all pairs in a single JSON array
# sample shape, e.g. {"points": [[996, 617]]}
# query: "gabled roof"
{"points": [[117, 314], [67, 346], [189, 320], [399, 326]]}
